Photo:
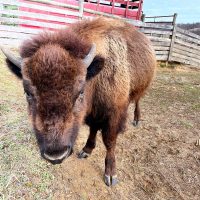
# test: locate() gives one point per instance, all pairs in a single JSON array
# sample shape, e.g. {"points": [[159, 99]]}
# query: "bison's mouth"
{"points": [[54, 155], [57, 158]]}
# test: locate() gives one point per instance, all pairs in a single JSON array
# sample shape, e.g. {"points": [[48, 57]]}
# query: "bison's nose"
{"points": [[57, 157]]}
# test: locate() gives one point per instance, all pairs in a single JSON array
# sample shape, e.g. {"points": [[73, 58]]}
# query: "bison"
{"points": [[89, 72]]}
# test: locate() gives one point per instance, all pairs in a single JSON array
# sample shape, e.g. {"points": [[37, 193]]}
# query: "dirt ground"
{"points": [[159, 160]]}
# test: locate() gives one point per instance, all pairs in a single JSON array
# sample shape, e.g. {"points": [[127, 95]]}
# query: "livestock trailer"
{"points": [[131, 9]]}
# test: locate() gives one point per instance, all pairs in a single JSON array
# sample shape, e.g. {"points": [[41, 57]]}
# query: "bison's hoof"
{"points": [[82, 154], [136, 123], [110, 180]]}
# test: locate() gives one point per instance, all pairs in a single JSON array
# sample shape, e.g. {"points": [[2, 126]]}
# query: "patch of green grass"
{"points": [[182, 87], [196, 107], [22, 168], [4, 108], [185, 124], [170, 65], [190, 93], [162, 64]]}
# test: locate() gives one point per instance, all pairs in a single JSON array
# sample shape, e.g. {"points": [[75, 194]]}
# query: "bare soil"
{"points": [[158, 160]]}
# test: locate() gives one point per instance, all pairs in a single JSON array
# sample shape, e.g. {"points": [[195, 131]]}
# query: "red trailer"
{"points": [[131, 9]]}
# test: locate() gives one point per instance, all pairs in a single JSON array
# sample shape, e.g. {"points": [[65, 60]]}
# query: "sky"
{"points": [[188, 10]]}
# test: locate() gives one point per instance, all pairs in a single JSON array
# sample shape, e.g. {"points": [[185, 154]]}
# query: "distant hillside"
{"points": [[194, 27]]}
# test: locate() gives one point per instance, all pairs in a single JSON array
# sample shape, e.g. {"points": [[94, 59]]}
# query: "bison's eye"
{"points": [[29, 96], [81, 94]]}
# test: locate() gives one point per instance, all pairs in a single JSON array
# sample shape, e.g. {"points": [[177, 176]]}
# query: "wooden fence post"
{"points": [[173, 38], [143, 17], [81, 7]]}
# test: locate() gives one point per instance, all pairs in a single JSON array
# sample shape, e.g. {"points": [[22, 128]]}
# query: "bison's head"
{"points": [[54, 74]]}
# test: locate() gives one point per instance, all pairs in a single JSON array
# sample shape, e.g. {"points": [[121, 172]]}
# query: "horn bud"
{"points": [[90, 56], [12, 58]]}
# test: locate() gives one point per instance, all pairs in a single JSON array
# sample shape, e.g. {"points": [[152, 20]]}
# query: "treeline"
{"points": [[194, 27]]}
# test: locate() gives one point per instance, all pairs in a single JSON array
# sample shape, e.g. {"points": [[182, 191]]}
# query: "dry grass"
{"points": [[158, 160]]}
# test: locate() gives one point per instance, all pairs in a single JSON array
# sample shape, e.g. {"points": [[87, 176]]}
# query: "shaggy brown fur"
{"points": [[61, 92]]}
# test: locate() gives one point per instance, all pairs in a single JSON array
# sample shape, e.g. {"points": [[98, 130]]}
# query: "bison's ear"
{"points": [[95, 67], [13, 63]]}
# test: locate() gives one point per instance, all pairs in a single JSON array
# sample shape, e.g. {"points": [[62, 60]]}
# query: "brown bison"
{"points": [[89, 72]]}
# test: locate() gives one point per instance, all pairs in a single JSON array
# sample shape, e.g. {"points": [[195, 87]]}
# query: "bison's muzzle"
{"points": [[57, 158]]}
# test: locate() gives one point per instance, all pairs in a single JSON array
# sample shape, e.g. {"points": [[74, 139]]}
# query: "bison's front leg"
{"points": [[110, 176], [90, 144], [116, 124]]}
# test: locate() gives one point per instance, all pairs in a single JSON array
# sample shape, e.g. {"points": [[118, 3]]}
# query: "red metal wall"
{"points": [[125, 10]]}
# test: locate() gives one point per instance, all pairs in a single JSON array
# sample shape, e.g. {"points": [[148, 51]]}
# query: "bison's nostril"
{"points": [[58, 157]]}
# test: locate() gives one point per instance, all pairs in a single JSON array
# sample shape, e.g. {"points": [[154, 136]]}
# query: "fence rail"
{"points": [[170, 19], [170, 42]]}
